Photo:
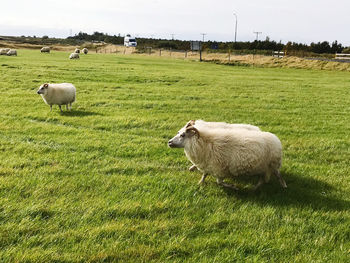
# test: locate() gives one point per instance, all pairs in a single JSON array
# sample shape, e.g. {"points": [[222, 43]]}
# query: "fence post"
{"points": [[229, 55], [185, 53], [160, 52]]}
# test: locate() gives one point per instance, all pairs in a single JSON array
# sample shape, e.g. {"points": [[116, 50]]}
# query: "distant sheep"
{"points": [[77, 50], [226, 153], [58, 94], [45, 50], [204, 124], [85, 50], [12, 52], [4, 51], [74, 56]]}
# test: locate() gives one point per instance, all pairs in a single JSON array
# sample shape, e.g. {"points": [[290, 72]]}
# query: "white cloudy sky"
{"points": [[287, 20]]}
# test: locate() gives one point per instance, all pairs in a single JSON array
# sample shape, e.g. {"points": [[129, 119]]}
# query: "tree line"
{"points": [[267, 44]]}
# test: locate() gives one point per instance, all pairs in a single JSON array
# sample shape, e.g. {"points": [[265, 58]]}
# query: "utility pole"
{"points": [[203, 34], [172, 36], [235, 28], [257, 35]]}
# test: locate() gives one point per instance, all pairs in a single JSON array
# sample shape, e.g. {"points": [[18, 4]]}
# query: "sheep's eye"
{"points": [[182, 135]]}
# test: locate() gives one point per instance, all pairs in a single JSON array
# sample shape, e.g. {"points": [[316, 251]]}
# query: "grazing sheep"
{"points": [[204, 124], [85, 50], [228, 153], [77, 50], [74, 56], [4, 51], [12, 52], [45, 49], [59, 94]]}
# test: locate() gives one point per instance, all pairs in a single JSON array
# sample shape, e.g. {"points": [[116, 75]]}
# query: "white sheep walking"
{"points": [[45, 50], [226, 153], [4, 51], [74, 56], [200, 124], [59, 94], [12, 52]]}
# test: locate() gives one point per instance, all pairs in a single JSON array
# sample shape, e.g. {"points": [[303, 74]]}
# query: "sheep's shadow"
{"points": [[79, 113], [301, 192]]}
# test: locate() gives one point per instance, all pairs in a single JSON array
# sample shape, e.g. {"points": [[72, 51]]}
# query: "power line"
{"points": [[257, 35]]}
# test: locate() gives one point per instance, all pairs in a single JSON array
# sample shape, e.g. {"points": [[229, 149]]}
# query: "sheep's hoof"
{"points": [[230, 186], [201, 182], [283, 183], [192, 168]]}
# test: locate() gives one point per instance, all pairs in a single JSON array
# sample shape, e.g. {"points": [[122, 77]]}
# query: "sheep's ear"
{"points": [[46, 85], [190, 123], [192, 131]]}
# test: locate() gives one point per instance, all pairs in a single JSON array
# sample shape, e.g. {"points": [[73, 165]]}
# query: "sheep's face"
{"points": [[182, 137], [43, 89]]}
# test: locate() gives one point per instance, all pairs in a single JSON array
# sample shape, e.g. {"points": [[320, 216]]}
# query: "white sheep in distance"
{"points": [[226, 153], [74, 56], [77, 50], [59, 94], [4, 51], [85, 50], [45, 50], [12, 52], [205, 124]]}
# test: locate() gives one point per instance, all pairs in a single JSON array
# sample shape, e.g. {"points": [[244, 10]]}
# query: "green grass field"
{"points": [[99, 184]]}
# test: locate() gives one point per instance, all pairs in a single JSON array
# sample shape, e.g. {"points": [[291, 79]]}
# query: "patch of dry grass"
{"points": [[271, 62]]}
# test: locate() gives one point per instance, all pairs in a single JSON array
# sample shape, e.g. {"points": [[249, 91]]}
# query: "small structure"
{"points": [[278, 54], [196, 46], [342, 56]]}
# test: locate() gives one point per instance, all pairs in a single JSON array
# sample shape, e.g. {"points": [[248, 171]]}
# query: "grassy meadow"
{"points": [[99, 184]]}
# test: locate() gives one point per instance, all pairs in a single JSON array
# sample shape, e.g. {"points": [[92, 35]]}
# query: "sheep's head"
{"points": [[43, 89], [183, 136]]}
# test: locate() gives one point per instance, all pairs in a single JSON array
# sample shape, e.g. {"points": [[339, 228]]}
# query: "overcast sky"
{"points": [[286, 20]]}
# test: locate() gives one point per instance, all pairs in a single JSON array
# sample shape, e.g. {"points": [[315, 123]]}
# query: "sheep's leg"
{"points": [[60, 108], [192, 168], [203, 178], [263, 179], [261, 182], [70, 104], [67, 107], [221, 182], [50, 107], [280, 179]]}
